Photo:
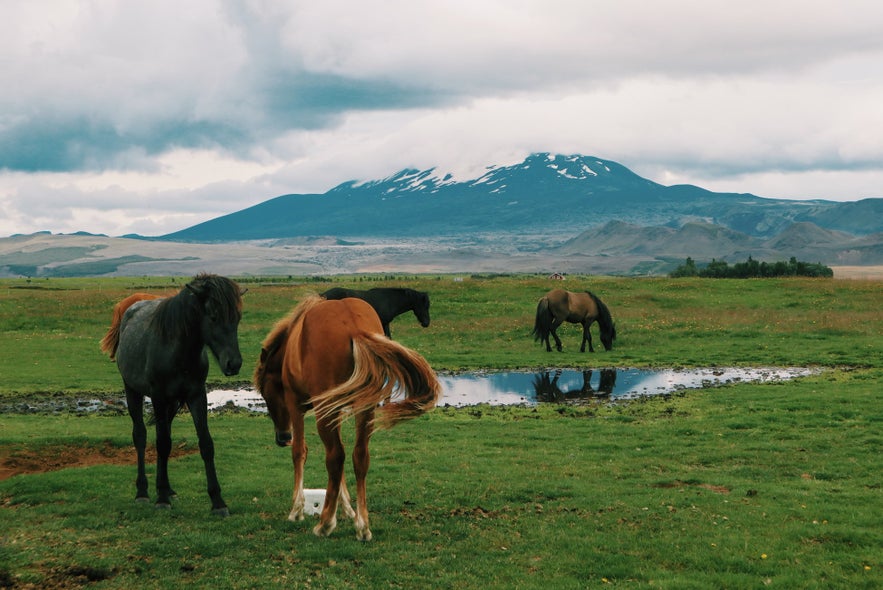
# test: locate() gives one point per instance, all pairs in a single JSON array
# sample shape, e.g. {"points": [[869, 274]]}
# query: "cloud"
{"points": [[106, 102]]}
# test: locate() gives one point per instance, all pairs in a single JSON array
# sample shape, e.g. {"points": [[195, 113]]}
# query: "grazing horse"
{"points": [[161, 355], [559, 306], [111, 340], [331, 356], [388, 302]]}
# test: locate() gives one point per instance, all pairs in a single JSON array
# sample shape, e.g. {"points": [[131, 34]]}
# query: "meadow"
{"points": [[745, 486]]}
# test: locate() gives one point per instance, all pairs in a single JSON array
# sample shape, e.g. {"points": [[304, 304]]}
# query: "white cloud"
{"points": [[134, 117]]}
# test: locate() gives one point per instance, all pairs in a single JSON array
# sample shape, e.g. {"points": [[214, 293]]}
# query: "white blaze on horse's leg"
{"points": [[345, 501], [363, 533], [297, 501]]}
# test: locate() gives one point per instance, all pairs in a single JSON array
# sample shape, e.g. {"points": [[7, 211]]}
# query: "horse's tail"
{"points": [[543, 323], [111, 340], [605, 320], [382, 367]]}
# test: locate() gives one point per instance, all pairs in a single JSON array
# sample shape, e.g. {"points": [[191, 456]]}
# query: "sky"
{"points": [[122, 117]]}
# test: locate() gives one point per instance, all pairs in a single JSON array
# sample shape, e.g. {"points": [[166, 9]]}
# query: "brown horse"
{"points": [[559, 306], [332, 356], [111, 340]]}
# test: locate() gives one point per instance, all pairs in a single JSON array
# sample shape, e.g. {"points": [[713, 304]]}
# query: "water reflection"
{"points": [[570, 385], [561, 385], [548, 389]]}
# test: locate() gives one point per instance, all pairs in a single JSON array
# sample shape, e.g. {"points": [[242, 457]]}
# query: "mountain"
{"points": [[549, 213], [551, 194]]}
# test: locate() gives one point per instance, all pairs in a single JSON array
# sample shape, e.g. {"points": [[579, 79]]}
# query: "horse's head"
{"points": [[221, 301], [421, 308], [268, 381], [608, 336]]}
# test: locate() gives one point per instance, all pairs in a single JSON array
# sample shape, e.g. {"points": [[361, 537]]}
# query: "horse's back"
{"points": [[336, 293], [135, 340], [571, 306], [319, 354]]}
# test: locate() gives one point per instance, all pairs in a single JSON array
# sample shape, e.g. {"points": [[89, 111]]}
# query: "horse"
{"points": [[111, 340], [331, 356], [559, 306], [388, 302], [161, 355]]}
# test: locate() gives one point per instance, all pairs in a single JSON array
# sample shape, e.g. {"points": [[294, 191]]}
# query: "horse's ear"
{"points": [[243, 291], [197, 290]]}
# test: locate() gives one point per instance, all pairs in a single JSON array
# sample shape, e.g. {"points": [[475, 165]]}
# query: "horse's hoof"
{"points": [[163, 506], [322, 530], [222, 512], [295, 516], [364, 536], [142, 500]]}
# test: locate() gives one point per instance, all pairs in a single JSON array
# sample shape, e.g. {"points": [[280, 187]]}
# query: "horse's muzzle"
{"points": [[231, 366], [283, 439]]}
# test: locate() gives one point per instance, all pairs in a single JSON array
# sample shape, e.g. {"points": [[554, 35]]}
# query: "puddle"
{"points": [[526, 388], [529, 388]]}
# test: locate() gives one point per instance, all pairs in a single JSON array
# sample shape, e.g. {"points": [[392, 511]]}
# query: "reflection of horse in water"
{"points": [[547, 388]]}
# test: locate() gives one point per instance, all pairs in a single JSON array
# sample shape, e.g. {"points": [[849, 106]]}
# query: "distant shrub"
{"points": [[719, 269]]}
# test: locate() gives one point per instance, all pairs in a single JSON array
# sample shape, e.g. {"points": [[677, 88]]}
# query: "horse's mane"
{"points": [[174, 317], [605, 320]]}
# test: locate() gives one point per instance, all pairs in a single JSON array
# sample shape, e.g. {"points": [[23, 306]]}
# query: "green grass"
{"points": [[745, 486]]}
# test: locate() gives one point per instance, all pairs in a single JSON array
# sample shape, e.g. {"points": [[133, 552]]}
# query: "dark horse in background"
{"points": [[160, 353], [331, 357], [388, 302], [559, 306]]}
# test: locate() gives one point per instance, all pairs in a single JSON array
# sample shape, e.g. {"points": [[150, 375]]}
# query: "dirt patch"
{"points": [[696, 484], [56, 457], [61, 578]]}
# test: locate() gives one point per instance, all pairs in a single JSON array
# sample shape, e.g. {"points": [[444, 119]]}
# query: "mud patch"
{"points": [[55, 457], [62, 577], [694, 484]]}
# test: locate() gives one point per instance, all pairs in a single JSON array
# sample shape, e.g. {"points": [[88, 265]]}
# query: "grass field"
{"points": [[746, 486]]}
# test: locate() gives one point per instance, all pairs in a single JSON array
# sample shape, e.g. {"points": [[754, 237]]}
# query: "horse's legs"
{"points": [[587, 337], [361, 460], [135, 403], [552, 331], [298, 458], [199, 412], [345, 501], [329, 432], [161, 414]]}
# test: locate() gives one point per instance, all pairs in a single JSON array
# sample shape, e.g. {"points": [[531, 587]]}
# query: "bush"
{"points": [[719, 269]]}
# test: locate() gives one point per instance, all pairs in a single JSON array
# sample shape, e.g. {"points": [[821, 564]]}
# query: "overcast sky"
{"points": [[148, 117]]}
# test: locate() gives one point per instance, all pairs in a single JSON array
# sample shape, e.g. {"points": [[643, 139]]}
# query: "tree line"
{"points": [[751, 268]]}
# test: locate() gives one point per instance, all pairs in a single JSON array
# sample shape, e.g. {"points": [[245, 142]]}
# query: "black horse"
{"points": [[162, 355], [388, 302]]}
